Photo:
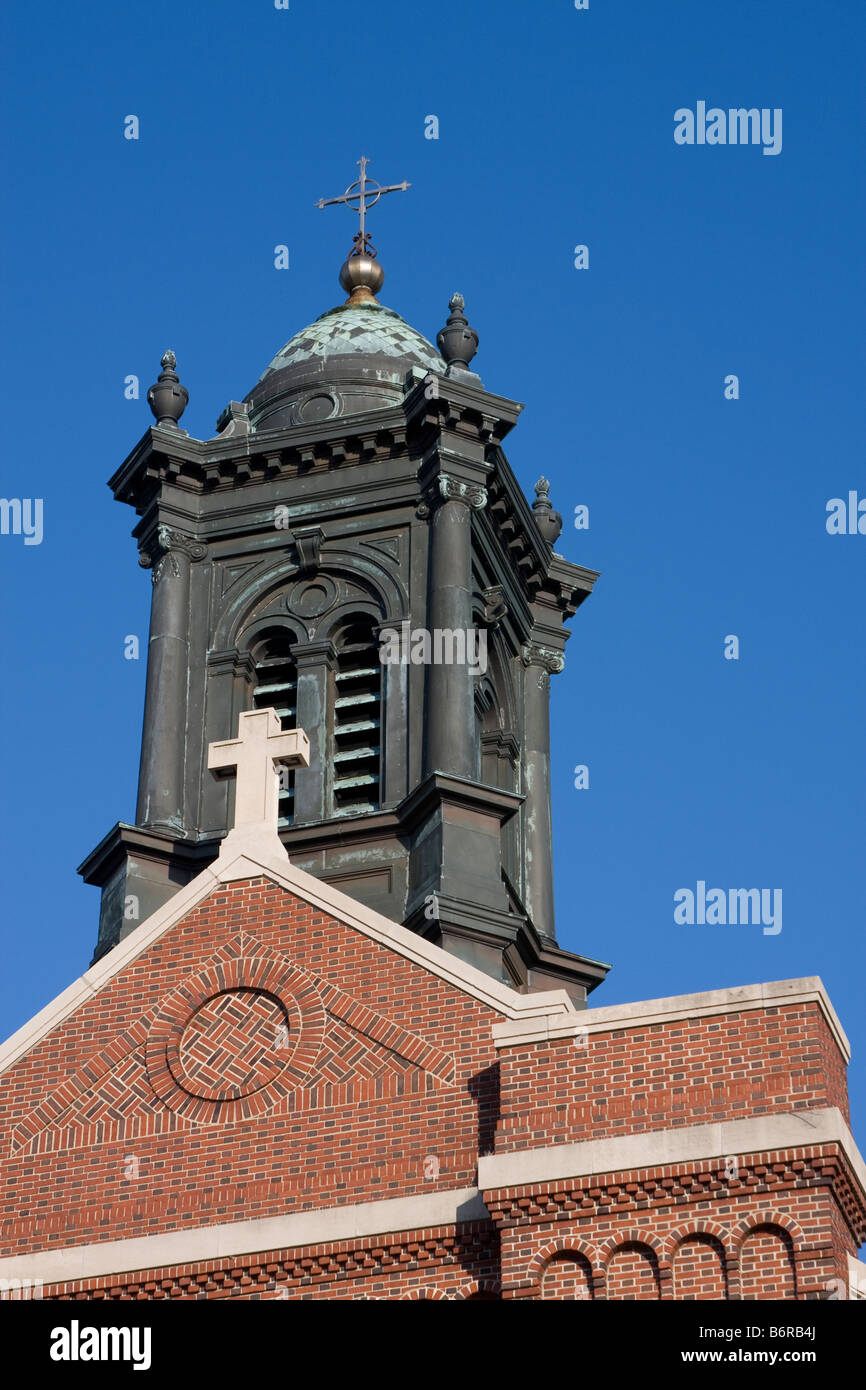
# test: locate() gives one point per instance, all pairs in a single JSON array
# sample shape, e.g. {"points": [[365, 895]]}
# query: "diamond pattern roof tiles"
{"points": [[354, 329]]}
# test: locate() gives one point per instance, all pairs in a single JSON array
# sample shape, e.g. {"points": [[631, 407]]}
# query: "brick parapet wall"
{"points": [[631, 1080]]}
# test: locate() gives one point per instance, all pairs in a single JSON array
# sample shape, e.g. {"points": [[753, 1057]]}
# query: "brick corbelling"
{"points": [[458, 1260], [672, 1185]]}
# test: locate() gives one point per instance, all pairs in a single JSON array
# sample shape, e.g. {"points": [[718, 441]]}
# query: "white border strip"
{"points": [[856, 1278], [658, 1148], [677, 1008], [235, 1238]]}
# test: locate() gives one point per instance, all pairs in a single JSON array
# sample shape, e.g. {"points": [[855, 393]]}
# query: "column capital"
{"points": [[314, 653], [231, 661], [548, 659], [165, 547], [453, 489]]}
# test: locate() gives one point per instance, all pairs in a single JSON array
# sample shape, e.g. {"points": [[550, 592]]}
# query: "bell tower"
{"points": [[352, 549]]}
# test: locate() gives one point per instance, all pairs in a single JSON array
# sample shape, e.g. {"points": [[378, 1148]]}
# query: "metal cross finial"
{"points": [[360, 196]]}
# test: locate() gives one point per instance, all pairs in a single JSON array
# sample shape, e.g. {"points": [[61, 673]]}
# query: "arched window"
{"points": [[277, 685], [357, 720]]}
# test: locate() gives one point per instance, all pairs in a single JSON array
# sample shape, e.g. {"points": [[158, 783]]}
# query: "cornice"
{"points": [[225, 461], [457, 433], [540, 570], [578, 1174]]}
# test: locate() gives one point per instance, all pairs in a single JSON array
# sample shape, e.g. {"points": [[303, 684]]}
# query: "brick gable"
{"points": [[269, 1092], [202, 1096]]}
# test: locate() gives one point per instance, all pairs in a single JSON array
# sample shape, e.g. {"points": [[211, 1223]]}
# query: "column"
{"points": [[315, 661], [231, 676], [451, 736], [160, 782], [540, 663]]}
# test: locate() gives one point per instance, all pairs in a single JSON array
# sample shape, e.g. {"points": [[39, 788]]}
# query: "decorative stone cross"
{"points": [[259, 746]]}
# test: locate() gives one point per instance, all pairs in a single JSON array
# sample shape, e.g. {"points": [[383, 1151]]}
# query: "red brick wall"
{"points": [[699, 1269], [127, 1121], [744, 1250], [767, 1264], [106, 1159], [633, 1273], [695, 1236], [566, 1276], [666, 1075]]}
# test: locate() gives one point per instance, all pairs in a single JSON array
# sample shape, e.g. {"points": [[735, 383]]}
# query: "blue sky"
{"points": [[707, 516]]}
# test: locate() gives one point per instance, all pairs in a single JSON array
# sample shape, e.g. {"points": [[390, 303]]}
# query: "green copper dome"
{"points": [[355, 328], [353, 359]]}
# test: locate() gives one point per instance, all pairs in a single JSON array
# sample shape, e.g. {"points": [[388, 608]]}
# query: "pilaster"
{"points": [[539, 663]]}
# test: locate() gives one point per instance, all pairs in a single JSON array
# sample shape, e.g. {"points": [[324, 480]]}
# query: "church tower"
{"points": [[352, 549]]}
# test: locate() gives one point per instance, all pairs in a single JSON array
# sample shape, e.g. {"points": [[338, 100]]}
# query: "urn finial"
{"points": [[548, 521], [167, 398], [457, 341]]}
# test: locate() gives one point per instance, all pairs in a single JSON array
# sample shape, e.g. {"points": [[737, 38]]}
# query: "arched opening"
{"points": [[699, 1269], [357, 720], [567, 1276], [767, 1268], [276, 685]]}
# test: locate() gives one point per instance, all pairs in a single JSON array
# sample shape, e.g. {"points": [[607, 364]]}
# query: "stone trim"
{"points": [[678, 1008], [253, 853], [660, 1148], [856, 1278], [235, 1238]]}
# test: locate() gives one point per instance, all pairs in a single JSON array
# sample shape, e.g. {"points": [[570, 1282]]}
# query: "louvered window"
{"points": [[277, 685], [357, 722]]}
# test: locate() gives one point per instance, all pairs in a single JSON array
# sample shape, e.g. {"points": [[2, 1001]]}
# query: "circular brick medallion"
{"points": [[234, 1044], [235, 1039]]}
